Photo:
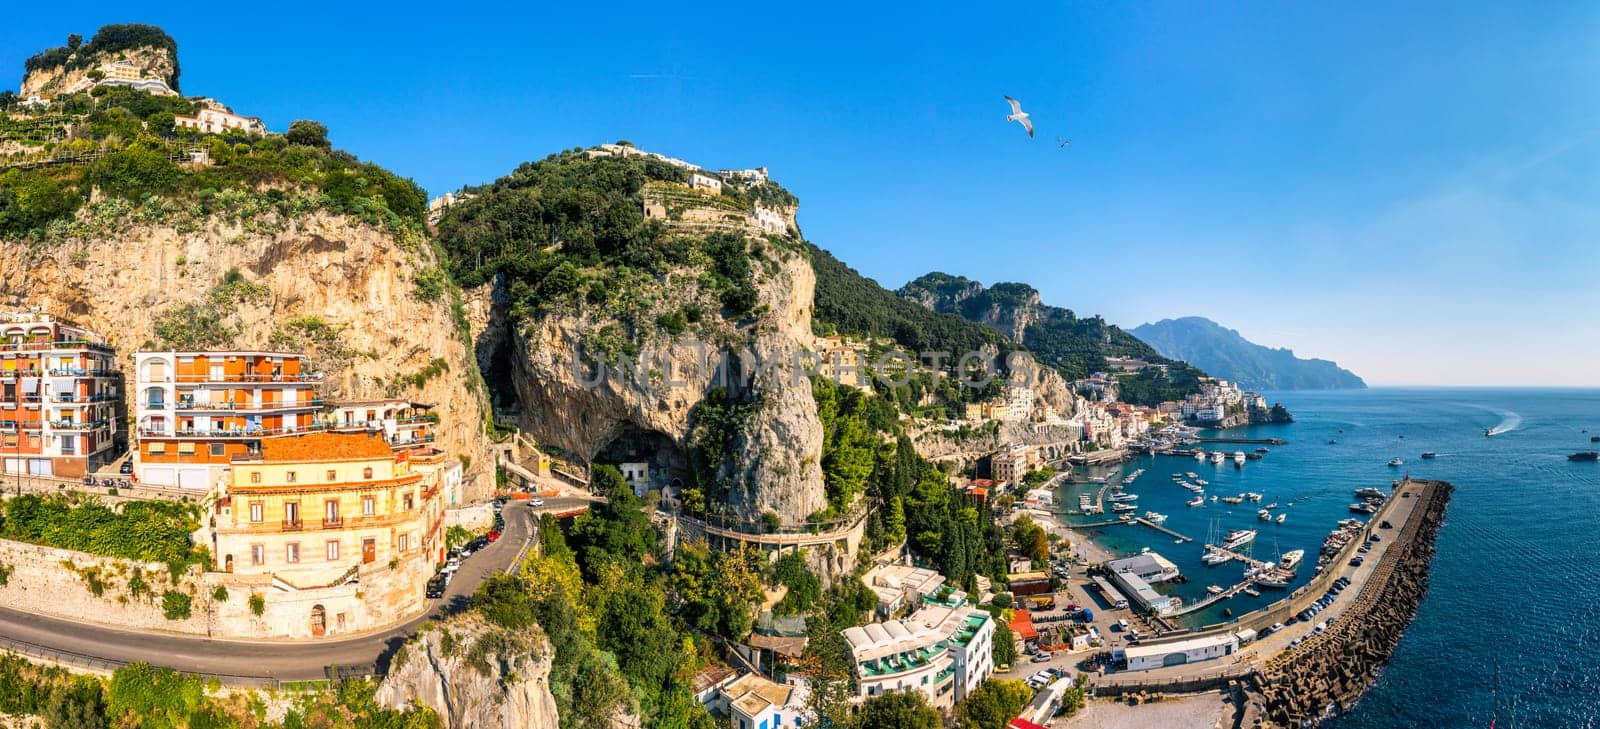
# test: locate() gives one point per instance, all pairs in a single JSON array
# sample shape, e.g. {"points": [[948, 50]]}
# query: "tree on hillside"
{"points": [[993, 704], [898, 710], [1005, 645], [307, 133]]}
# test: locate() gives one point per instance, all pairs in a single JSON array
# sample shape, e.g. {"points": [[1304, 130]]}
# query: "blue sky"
{"points": [[1413, 191]]}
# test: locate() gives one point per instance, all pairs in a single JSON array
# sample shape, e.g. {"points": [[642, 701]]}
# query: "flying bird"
{"points": [[1063, 142], [1019, 116]]}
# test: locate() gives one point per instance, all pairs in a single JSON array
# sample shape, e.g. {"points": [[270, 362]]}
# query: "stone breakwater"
{"points": [[1329, 672]]}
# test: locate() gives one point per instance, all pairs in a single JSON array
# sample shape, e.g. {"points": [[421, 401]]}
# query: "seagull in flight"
{"points": [[1062, 142], [1019, 116]]}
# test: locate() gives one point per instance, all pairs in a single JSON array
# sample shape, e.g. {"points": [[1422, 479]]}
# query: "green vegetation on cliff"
{"points": [[568, 232], [143, 531], [109, 39], [122, 143], [1076, 347]]}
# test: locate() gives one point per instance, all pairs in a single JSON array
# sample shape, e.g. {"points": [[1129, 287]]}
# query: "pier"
{"points": [[1232, 555], [1246, 441], [1163, 529], [1140, 520]]}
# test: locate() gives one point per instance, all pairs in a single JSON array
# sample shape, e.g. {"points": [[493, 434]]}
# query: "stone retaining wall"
{"points": [[62, 584]]}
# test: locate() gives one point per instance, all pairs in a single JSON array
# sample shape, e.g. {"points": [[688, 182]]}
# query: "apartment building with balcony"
{"points": [[60, 397], [194, 412], [943, 650], [339, 519], [404, 424]]}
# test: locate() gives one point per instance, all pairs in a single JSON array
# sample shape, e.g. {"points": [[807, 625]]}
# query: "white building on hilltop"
{"points": [[753, 702], [214, 118]]}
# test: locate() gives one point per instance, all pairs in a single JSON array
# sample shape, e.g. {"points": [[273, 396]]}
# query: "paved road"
{"points": [[282, 660]]}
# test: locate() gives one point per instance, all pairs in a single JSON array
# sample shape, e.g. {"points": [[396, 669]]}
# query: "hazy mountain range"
{"points": [[1222, 352]]}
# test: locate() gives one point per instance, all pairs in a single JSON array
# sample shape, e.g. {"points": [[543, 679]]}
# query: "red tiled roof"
{"points": [[1021, 723], [1022, 625], [325, 447]]}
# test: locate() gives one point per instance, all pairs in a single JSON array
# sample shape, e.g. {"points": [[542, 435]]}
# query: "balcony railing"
{"points": [[78, 424], [23, 424], [73, 398], [231, 406], [63, 344], [81, 372], [293, 525], [224, 432], [332, 522], [241, 377]]}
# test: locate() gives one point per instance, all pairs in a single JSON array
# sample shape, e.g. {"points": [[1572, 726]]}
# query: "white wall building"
{"points": [[753, 702], [943, 651], [705, 182], [214, 118], [1146, 656]]}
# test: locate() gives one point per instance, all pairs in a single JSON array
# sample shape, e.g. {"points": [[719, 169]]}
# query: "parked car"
{"points": [[494, 535], [126, 467], [536, 501], [1357, 560], [450, 566], [1043, 657], [1385, 525], [436, 587], [479, 543]]}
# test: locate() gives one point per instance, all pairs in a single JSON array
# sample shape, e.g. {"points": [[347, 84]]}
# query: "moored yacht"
{"points": [[1238, 538], [1199, 455], [1197, 501], [1123, 497], [1213, 590], [1281, 517], [1218, 457], [1238, 458], [1291, 559], [1396, 462], [1123, 507], [1154, 518], [1192, 475], [1264, 515]]}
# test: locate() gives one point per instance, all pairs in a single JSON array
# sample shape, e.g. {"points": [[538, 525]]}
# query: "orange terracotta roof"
{"points": [[325, 447], [1022, 625]]}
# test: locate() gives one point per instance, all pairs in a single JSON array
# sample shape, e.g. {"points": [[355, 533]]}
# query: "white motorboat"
{"points": [[1214, 590], [1154, 518], [1291, 559], [1238, 538], [1281, 517], [1197, 501]]}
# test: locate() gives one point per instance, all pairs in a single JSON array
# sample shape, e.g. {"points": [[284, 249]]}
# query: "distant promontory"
{"points": [[1224, 353]]}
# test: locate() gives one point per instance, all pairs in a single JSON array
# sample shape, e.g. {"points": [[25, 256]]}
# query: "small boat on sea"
{"points": [[1197, 501], [1430, 455], [1264, 515], [1233, 499], [1396, 462], [1123, 507], [1281, 517], [1213, 498], [1192, 475], [1202, 482], [1277, 580], [1263, 450], [1097, 479], [1584, 456], [1238, 458], [1252, 592], [1272, 505], [1253, 497], [1122, 497], [1369, 493], [1362, 507], [1217, 458], [1213, 590], [1154, 518], [1594, 439], [1291, 559]]}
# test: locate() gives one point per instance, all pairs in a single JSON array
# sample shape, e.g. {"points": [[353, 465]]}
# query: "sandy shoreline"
{"points": [[1083, 547]]}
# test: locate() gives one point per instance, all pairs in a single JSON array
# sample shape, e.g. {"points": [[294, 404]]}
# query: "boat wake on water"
{"points": [[1509, 421]]}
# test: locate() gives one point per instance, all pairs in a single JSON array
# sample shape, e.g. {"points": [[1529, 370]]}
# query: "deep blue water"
{"points": [[1510, 628]]}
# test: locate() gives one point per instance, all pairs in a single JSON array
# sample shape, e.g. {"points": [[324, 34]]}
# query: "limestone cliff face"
{"points": [[474, 674], [156, 63], [341, 292], [565, 400]]}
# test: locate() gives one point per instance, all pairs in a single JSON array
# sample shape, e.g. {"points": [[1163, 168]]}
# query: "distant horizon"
{"points": [[1420, 213]]}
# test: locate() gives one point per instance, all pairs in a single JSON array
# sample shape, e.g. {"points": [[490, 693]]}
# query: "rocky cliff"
{"points": [[474, 674], [70, 68], [342, 292]]}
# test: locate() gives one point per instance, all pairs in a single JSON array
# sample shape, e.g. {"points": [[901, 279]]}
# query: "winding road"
{"points": [[264, 662]]}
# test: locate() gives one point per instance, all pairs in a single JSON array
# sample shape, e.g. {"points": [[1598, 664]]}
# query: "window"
{"points": [[330, 512], [408, 499], [405, 542], [291, 552], [255, 477], [291, 512], [217, 450], [333, 475], [369, 506], [258, 554], [289, 476], [185, 449], [333, 549], [366, 472], [257, 512]]}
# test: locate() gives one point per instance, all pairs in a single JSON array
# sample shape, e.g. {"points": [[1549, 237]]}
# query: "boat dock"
{"points": [[1212, 599], [1108, 455], [1163, 529], [1232, 555], [1246, 441]]}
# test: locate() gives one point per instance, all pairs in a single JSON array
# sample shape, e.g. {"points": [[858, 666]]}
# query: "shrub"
{"points": [[175, 605], [258, 604], [220, 594]]}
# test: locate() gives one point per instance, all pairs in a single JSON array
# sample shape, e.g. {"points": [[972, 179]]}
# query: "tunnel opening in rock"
{"points": [[498, 376], [648, 459]]}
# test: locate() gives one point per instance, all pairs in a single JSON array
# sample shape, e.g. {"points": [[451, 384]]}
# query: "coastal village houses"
{"points": [[214, 118], [60, 394], [943, 650]]}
